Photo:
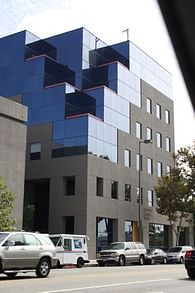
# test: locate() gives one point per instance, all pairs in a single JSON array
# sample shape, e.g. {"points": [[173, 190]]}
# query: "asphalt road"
{"points": [[134, 279]]}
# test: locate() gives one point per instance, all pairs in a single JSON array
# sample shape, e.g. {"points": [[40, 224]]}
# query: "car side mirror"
{"points": [[127, 248]]}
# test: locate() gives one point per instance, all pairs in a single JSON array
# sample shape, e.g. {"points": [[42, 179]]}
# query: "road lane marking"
{"points": [[104, 286]]}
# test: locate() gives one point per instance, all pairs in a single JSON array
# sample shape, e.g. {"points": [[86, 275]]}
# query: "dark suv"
{"points": [[122, 253], [25, 251]]}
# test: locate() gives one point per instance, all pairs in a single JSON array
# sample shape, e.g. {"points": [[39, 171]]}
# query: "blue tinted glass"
{"points": [[33, 83], [76, 127], [58, 129], [54, 95]]}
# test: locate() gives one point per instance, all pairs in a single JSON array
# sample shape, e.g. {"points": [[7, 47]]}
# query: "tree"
{"points": [[175, 192], [7, 223]]}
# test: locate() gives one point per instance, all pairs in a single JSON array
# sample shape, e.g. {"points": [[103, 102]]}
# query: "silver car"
{"points": [[122, 253], [176, 254], [26, 251]]}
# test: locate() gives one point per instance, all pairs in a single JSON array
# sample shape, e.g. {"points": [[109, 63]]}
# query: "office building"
{"points": [[91, 107]]}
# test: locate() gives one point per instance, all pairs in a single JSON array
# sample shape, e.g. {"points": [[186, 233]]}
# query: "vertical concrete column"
{"points": [[91, 232], [146, 233]]}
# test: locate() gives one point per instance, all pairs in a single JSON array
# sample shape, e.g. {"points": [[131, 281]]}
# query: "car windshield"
{"points": [[2, 236], [118, 245], [175, 249]]}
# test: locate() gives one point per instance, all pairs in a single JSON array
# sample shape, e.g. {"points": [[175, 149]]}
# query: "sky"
{"points": [[107, 19]]}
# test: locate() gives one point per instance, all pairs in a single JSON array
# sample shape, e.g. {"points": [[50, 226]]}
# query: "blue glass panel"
{"points": [[33, 83], [34, 66], [76, 127], [17, 71], [47, 114], [82, 140], [58, 129], [15, 87], [113, 84], [122, 48], [98, 94], [100, 112], [54, 95], [112, 71]]}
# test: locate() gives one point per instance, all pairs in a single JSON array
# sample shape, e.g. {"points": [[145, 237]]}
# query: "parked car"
{"points": [[25, 251], [122, 253], [190, 263], [156, 255], [176, 254]]}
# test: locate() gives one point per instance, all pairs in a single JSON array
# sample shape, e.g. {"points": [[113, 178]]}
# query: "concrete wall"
{"points": [[12, 151]]}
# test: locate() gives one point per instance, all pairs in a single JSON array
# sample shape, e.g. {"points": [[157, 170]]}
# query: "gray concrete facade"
{"points": [[13, 117], [85, 205]]}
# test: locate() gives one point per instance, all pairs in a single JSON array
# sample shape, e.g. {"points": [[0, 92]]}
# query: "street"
{"points": [[135, 279]]}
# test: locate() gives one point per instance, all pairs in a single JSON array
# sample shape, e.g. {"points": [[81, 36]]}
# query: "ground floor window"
{"points": [[128, 230], [104, 232], [158, 235]]}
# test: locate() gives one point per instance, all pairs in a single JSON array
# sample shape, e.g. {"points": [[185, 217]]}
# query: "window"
{"points": [[127, 192], [104, 232], [167, 116], [99, 186], [114, 189], [128, 230], [159, 140], [159, 169], [168, 144], [158, 111], [139, 196], [69, 183], [149, 166], [69, 225], [31, 240], [35, 151], [158, 235], [150, 198], [138, 130], [67, 245], [149, 105], [168, 170], [149, 133], [127, 158], [138, 162], [18, 240]]}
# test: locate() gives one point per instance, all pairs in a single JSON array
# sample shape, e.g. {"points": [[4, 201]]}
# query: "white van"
{"points": [[71, 249]]}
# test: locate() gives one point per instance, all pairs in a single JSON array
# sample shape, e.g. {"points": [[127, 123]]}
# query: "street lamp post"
{"points": [[146, 141]]}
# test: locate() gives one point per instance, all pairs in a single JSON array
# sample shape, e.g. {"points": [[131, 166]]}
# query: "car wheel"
{"points": [[121, 261], [11, 275], [191, 274], [181, 259], [43, 268], [80, 262], [141, 260], [164, 260], [152, 261]]}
